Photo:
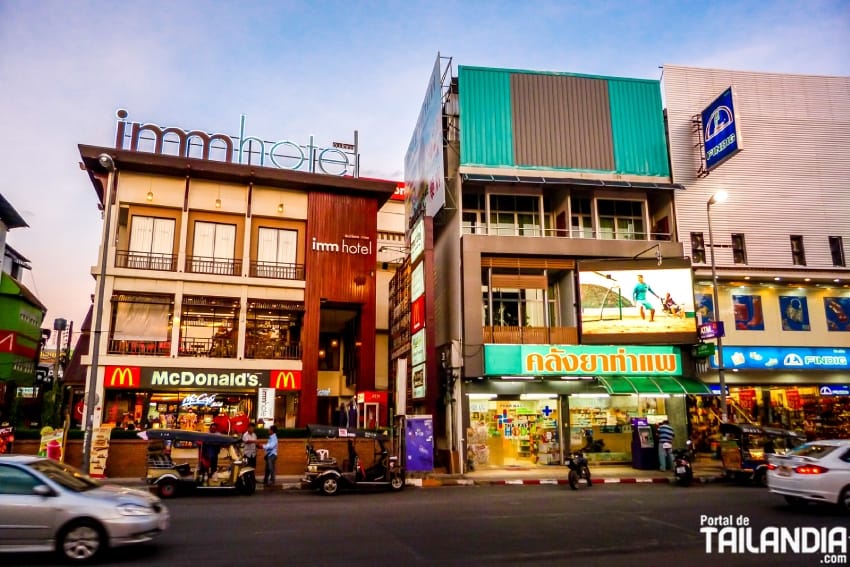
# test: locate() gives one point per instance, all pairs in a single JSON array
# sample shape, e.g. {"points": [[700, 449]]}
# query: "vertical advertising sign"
{"points": [[419, 444], [99, 451], [265, 405], [721, 130], [401, 387]]}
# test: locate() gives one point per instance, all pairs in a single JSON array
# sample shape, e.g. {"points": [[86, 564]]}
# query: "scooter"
{"points": [[682, 467], [577, 463]]}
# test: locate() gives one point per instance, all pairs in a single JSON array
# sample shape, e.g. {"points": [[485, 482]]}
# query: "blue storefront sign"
{"points": [[711, 330], [419, 444], [784, 358], [721, 132], [835, 390]]}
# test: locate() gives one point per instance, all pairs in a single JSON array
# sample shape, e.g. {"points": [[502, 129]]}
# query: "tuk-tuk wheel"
{"points": [[330, 486], [247, 484], [761, 478], [396, 482], [167, 488]]}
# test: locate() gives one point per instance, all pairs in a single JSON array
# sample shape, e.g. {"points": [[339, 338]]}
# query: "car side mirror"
{"points": [[43, 490]]}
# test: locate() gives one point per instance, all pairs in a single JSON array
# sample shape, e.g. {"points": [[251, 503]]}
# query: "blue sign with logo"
{"points": [[784, 358], [835, 390], [712, 330], [720, 130]]}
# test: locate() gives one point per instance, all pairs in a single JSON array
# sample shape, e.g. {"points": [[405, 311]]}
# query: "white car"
{"points": [[818, 471], [46, 505]]}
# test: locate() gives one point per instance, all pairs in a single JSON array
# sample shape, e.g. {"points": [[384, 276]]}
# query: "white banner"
{"points": [[401, 387], [265, 405]]}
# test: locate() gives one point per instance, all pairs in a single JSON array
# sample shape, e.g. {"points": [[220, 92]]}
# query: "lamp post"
{"points": [[718, 197], [106, 161]]}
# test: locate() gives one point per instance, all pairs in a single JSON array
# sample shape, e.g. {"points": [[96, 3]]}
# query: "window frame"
{"points": [[836, 250], [798, 250]]}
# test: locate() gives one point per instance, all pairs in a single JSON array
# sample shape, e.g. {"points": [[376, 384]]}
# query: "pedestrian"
{"points": [[665, 445], [249, 440], [270, 449], [209, 455]]}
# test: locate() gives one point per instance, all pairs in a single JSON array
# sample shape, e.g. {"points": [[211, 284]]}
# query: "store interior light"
{"points": [[516, 377], [654, 395], [538, 396], [591, 395], [481, 396]]}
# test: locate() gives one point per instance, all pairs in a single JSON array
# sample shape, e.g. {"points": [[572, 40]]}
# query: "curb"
{"points": [[551, 481]]}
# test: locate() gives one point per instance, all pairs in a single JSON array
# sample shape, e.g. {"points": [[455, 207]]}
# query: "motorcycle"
{"points": [[682, 467], [577, 463]]}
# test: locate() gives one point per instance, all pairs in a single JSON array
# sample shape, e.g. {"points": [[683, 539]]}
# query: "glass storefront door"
{"points": [[514, 433]]}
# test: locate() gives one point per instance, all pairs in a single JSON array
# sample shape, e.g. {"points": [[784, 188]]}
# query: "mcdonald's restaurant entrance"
{"points": [[193, 399]]}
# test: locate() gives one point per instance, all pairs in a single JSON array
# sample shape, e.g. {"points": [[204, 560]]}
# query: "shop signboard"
{"points": [[712, 330], [704, 350], [417, 282], [100, 451], [417, 315], [417, 240], [835, 390], [784, 358], [721, 130], [401, 386], [582, 360], [417, 347], [265, 405], [747, 397], [419, 446], [645, 302], [418, 383]]}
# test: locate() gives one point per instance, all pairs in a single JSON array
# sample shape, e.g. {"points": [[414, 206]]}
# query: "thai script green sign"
{"points": [[581, 360]]}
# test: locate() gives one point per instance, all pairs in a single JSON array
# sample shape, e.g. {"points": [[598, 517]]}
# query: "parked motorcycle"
{"points": [[682, 464], [577, 463]]}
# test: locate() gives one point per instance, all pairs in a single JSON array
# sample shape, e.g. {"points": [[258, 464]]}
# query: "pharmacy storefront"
{"points": [[539, 402]]}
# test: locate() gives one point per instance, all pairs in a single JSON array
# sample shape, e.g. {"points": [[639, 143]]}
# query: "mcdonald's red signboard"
{"points": [[122, 377], [417, 314], [285, 379]]}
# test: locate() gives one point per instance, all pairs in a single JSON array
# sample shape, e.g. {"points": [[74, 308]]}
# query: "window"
{"points": [[276, 253], [141, 324], [739, 249], [16, 481], [515, 215], [209, 326], [836, 248], [473, 213], [698, 247], [582, 218], [621, 220], [273, 329], [213, 248], [151, 244], [798, 253]]}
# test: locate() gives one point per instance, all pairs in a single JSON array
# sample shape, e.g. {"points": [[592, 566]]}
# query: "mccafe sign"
{"points": [[136, 377]]}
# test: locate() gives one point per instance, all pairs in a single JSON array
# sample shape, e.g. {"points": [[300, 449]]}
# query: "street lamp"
{"points": [[106, 162], [718, 197]]}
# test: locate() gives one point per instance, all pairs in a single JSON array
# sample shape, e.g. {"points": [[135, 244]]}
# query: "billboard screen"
{"points": [[640, 303]]}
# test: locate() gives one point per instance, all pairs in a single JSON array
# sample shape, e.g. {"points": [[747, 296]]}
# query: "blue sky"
{"points": [[297, 68]]}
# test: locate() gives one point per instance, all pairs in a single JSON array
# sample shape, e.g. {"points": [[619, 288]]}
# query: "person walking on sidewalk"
{"points": [[665, 445], [270, 449]]}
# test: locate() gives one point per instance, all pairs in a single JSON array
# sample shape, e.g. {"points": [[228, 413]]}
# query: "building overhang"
{"points": [[10, 216], [744, 275], [565, 178]]}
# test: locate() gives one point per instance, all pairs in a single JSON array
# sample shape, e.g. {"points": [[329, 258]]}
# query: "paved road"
{"points": [[612, 525]]}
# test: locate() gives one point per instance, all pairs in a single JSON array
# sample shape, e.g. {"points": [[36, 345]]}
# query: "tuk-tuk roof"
{"points": [[184, 435], [739, 428], [315, 430], [779, 432]]}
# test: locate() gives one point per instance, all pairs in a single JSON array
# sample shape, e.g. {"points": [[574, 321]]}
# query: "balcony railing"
{"points": [[212, 348], [217, 266], [563, 233], [145, 261], [271, 349], [145, 348], [277, 270], [531, 335]]}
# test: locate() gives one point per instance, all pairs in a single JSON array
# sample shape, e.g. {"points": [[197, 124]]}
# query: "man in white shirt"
{"points": [[249, 440]]}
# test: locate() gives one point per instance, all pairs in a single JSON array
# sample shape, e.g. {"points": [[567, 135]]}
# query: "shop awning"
{"points": [[653, 385]]}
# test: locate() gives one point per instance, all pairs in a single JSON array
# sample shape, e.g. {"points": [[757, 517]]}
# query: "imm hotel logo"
{"points": [[286, 379], [122, 377]]}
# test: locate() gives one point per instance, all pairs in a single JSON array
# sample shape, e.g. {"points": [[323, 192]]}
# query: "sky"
{"points": [[299, 68]]}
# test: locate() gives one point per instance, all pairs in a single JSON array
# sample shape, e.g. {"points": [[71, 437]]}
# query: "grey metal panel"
{"points": [[791, 177], [561, 121]]}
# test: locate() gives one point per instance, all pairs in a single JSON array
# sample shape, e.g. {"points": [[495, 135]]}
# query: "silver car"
{"points": [[46, 505], [818, 471]]}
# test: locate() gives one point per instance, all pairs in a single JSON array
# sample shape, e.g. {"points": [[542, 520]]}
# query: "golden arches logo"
{"points": [[121, 377], [287, 380]]}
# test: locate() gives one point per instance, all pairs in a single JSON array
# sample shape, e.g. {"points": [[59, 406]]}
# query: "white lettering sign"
{"points": [[265, 405], [353, 245], [205, 400]]}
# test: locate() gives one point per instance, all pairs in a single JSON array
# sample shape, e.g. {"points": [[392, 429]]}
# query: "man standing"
{"points": [[249, 440], [639, 295], [270, 449], [665, 445]]}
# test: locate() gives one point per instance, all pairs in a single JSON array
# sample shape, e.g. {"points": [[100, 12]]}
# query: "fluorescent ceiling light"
{"points": [[481, 396], [590, 395], [538, 396], [516, 377], [654, 395]]}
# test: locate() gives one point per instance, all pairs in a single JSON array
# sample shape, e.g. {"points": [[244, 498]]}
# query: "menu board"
{"points": [[99, 451]]}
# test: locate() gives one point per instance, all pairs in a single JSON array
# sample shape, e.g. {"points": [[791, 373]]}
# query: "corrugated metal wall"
{"points": [[640, 143], [485, 117], [792, 176], [561, 121]]}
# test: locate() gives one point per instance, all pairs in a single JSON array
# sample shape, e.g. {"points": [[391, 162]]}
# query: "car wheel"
{"points": [[795, 501], [761, 478], [844, 499], [330, 486], [396, 482], [166, 488], [247, 484], [81, 541]]}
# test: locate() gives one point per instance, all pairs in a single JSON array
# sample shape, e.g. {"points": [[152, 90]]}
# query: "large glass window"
{"points": [[141, 324], [473, 213], [213, 248], [621, 220], [515, 215], [273, 329], [151, 244], [582, 217], [277, 251], [208, 326]]}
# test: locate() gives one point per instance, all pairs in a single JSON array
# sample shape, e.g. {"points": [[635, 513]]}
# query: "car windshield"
{"points": [[813, 450], [65, 475]]}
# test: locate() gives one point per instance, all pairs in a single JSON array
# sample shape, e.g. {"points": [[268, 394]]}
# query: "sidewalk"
{"points": [[704, 472]]}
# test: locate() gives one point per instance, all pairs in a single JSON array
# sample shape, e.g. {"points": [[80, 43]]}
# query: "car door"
{"points": [[25, 517]]}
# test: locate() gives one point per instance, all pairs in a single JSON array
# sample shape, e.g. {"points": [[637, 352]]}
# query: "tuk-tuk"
{"points": [[744, 449], [323, 473], [212, 461]]}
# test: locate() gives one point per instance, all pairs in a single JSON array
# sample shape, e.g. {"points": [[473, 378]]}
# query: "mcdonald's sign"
{"points": [[285, 379], [417, 314], [122, 377]]}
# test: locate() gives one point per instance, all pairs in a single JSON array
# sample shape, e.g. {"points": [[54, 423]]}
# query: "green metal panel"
{"points": [[637, 121], [486, 133]]}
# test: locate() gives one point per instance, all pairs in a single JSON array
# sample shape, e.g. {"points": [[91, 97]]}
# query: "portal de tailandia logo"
{"points": [[734, 535]]}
